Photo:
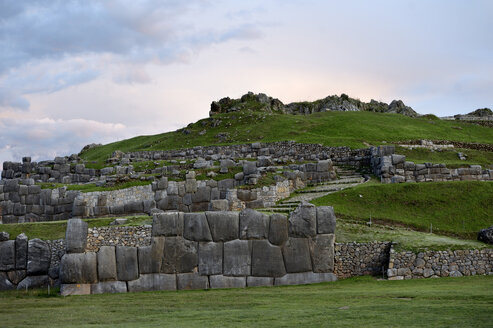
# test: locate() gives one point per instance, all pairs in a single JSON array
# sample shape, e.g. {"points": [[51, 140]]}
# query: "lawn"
{"points": [[353, 129], [355, 302], [449, 157], [459, 208]]}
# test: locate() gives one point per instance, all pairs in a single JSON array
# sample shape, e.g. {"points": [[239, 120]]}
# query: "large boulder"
{"points": [[21, 244], [303, 221], [210, 258], [237, 258], [78, 268], [167, 224], [322, 253], [296, 253], [486, 235], [7, 255], [196, 227], [191, 281], [107, 263], [326, 219], [76, 236], [223, 225], [180, 255], [267, 260], [38, 257], [150, 282], [127, 267], [253, 225], [278, 229]]}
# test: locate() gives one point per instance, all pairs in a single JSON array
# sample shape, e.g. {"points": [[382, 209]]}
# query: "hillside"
{"points": [[332, 128]]}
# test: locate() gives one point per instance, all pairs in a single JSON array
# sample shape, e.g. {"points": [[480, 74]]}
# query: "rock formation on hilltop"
{"points": [[262, 102], [481, 112]]}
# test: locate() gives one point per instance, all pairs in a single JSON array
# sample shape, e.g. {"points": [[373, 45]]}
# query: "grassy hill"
{"points": [[353, 129]]}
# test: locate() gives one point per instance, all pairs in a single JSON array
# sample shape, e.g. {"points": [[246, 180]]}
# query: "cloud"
{"points": [[49, 46], [47, 138]]}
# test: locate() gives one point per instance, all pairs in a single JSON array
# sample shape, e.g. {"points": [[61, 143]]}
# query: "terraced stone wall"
{"points": [[207, 250]]}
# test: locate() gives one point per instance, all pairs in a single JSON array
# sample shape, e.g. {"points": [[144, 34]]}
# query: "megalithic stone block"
{"points": [[107, 263], [191, 281], [196, 227], [220, 281], [296, 253], [151, 282], [267, 260], [210, 258], [223, 225], [21, 242], [326, 220], [322, 252], [127, 266], [7, 255], [106, 287], [180, 255], [303, 221], [79, 268], [304, 278], [278, 229], [168, 224], [76, 236], [237, 258], [253, 225], [38, 257]]}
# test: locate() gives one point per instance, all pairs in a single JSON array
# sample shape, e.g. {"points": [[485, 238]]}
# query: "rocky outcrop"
{"points": [[262, 102], [486, 235]]}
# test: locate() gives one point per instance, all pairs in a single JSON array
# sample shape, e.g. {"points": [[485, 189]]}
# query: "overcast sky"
{"points": [[78, 72]]}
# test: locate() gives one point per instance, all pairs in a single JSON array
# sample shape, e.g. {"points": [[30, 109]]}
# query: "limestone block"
{"points": [[145, 259], [38, 257], [7, 255], [267, 260], [210, 258], [303, 221], [152, 282], [203, 194], [107, 263], [78, 268], [196, 227], [322, 253], [304, 278], [326, 220], [134, 207], [246, 195], [191, 281], [220, 281], [259, 281], [278, 229], [237, 258], [219, 205], [223, 225], [168, 224], [249, 168], [296, 253], [75, 289], [324, 166], [180, 255], [253, 224], [191, 185], [127, 266], [76, 236], [111, 287]]}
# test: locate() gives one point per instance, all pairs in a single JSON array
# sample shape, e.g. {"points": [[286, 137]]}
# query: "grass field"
{"points": [[459, 208], [449, 157], [355, 302], [353, 129]]}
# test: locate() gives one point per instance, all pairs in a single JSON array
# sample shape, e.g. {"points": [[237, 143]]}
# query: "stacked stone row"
{"points": [[361, 259], [434, 264], [26, 264], [393, 168], [207, 250]]}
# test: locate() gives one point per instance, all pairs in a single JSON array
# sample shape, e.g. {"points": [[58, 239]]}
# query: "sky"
{"points": [[79, 72]]}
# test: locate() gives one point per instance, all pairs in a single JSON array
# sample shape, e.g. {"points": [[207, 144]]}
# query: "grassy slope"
{"points": [[331, 128], [56, 229], [448, 157], [356, 302], [461, 208]]}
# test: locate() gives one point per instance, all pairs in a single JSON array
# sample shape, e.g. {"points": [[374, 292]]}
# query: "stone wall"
{"points": [[393, 168], [207, 250], [29, 263], [433, 264], [361, 259], [134, 236]]}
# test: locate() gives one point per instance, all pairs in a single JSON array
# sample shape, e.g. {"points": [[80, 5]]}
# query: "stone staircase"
{"points": [[346, 178]]}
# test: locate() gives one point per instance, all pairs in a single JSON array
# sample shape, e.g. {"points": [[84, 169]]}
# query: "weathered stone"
{"points": [[296, 253], [326, 219], [109, 287], [223, 225], [237, 258], [168, 224], [203, 194], [324, 166], [127, 267], [220, 281], [219, 205], [303, 221], [152, 282], [398, 159], [267, 260], [246, 195], [486, 235], [249, 168], [196, 227], [210, 258], [304, 278], [157, 251], [259, 281], [78, 268], [4, 236], [278, 229], [145, 259], [75, 289], [191, 281], [31, 282], [16, 276], [7, 255], [322, 253], [38, 257], [76, 236], [180, 255], [253, 224], [5, 283], [107, 263]]}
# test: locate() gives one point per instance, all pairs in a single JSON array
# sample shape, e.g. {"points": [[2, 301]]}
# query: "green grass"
{"points": [[355, 302], [353, 129], [449, 157], [459, 208], [56, 229], [90, 187]]}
